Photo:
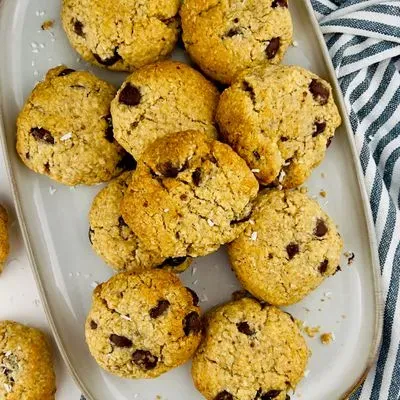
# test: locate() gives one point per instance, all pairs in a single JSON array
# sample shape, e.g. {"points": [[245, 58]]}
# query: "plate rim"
{"points": [[378, 293]]}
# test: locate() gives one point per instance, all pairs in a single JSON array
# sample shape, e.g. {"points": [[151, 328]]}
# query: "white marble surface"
{"points": [[19, 298]]}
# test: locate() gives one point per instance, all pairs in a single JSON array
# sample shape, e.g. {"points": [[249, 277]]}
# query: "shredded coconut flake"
{"points": [[295, 43], [166, 210], [211, 223], [34, 45], [251, 222], [255, 170], [7, 388], [65, 137], [282, 175], [94, 284], [195, 282], [254, 236], [52, 190], [194, 270], [8, 353], [306, 373], [35, 51], [126, 317]]}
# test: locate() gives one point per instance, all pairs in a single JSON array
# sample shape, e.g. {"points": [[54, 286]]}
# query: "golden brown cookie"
{"points": [[115, 242], [289, 247], [280, 119], [162, 98], [224, 37], [65, 130], [250, 352], [142, 325], [189, 195], [121, 35], [26, 367]]}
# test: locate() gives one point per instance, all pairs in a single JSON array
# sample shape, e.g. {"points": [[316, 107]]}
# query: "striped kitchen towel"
{"points": [[363, 38]]}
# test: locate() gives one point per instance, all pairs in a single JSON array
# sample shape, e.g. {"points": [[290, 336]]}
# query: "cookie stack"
{"points": [[176, 192]]}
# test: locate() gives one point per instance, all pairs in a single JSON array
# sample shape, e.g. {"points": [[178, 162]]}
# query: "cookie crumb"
{"points": [[327, 338], [304, 190], [323, 193], [323, 175], [350, 257], [47, 24], [310, 331]]}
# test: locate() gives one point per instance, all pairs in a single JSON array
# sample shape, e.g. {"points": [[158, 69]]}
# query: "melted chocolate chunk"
{"points": [[130, 95], [127, 163], [110, 60], [192, 323], [78, 27], [42, 135], [319, 127], [144, 359], [320, 228], [120, 341], [225, 395], [194, 296], [323, 266], [159, 309], [66, 71], [273, 47], [93, 325], [319, 91], [292, 249], [244, 327]]}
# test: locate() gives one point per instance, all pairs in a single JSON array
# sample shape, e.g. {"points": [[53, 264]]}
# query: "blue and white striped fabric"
{"points": [[363, 38]]}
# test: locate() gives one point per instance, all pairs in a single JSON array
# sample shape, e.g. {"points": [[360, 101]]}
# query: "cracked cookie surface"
{"points": [[280, 119], [162, 98], [250, 351], [65, 130], [224, 37], [26, 368], [121, 35], [189, 195], [142, 325], [4, 241], [289, 249], [114, 241]]}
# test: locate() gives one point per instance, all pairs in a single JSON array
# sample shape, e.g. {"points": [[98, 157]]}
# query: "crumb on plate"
{"points": [[47, 24], [327, 338]]}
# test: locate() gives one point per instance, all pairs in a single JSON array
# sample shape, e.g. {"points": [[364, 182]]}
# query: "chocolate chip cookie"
{"points": [[65, 129], [290, 246], [250, 352], [162, 98], [142, 325], [4, 241], [189, 195], [121, 35], [226, 37], [115, 242], [280, 119], [26, 367]]}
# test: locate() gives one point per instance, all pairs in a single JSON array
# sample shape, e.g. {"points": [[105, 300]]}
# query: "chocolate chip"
{"points": [[328, 142], [233, 32], [320, 228], [273, 47], [121, 222], [127, 162], [183, 197], [287, 397], [194, 296], [144, 359], [292, 249], [236, 20], [66, 71], [291, 316], [279, 3], [110, 60], [90, 235], [338, 269], [225, 395], [256, 155], [47, 167], [159, 309], [173, 261], [323, 266], [93, 325], [120, 341], [271, 394], [169, 170], [239, 221], [130, 95], [196, 176], [109, 130], [192, 323], [319, 91], [78, 28], [244, 327], [284, 139], [42, 134], [27, 156], [319, 127]]}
